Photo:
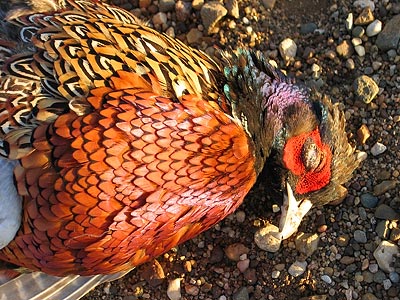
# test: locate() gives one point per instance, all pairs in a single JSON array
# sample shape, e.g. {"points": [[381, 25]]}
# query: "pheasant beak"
{"points": [[292, 213]]}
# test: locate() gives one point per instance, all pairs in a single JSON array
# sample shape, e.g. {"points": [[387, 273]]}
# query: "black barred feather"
{"points": [[80, 49]]}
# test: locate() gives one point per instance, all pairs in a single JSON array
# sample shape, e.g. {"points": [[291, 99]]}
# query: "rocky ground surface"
{"points": [[349, 50]]}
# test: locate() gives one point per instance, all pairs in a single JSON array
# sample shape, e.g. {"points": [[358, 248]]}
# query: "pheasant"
{"points": [[118, 142]]}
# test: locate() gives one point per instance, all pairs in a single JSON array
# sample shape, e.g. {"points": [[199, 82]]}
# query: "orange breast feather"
{"points": [[109, 190]]}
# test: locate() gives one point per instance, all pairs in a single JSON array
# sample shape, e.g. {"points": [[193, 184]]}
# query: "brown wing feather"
{"points": [[80, 49]]}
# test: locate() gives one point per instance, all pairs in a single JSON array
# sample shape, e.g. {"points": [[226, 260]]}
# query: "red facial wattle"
{"points": [[310, 179]]}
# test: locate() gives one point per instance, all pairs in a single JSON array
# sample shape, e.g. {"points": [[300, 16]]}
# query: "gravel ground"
{"points": [[347, 251]]}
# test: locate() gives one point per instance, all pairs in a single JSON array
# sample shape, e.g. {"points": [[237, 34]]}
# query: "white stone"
{"points": [[275, 208], [373, 268], [364, 3], [378, 148], [268, 238], [374, 28], [174, 289], [356, 41], [376, 65], [361, 156], [384, 255], [297, 268], [287, 49], [349, 21], [245, 21], [326, 279], [275, 274], [360, 50], [387, 284]]}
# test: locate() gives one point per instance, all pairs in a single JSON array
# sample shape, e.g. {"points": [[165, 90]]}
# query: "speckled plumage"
{"points": [[128, 142]]}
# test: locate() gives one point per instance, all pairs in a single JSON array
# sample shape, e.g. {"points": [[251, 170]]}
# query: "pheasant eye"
{"points": [[311, 155]]}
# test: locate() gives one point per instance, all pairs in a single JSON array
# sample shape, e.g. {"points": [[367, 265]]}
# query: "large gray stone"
{"points": [[389, 37], [384, 255], [211, 13]]}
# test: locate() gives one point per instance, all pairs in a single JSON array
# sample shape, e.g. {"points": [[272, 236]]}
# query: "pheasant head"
{"points": [[296, 131]]}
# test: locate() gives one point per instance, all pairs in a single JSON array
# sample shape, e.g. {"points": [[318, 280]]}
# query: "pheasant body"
{"points": [[127, 142]]}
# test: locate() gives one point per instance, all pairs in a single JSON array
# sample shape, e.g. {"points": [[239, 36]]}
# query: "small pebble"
{"points": [[241, 294], [166, 5], [376, 65], [308, 28], [268, 238], [373, 268], [358, 31], [240, 216], [275, 274], [368, 70], [307, 243], [369, 200], [356, 41], [369, 296], [364, 3], [345, 49], [374, 28], [385, 186], [192, 290], [347, 260], [182, 10], [160, 18], [279, 267], [326, 279], [387, 284], [349, 21], [197, 4], [385, 212], [360, 50], [360, 236], [234, 251], [194, 36], [297, 268], [269, 4], [233, 8], [275, 208], [365, 17], [394, 277], [350, 64], [378, 148], [395, 234], [365, 88], [287, 49], [365, 264], [343, 240], [243, 265], [382, 229], [379, 276]]}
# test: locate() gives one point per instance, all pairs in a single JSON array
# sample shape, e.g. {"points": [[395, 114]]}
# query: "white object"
{"points": [[292, 213], [10, 203]]}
